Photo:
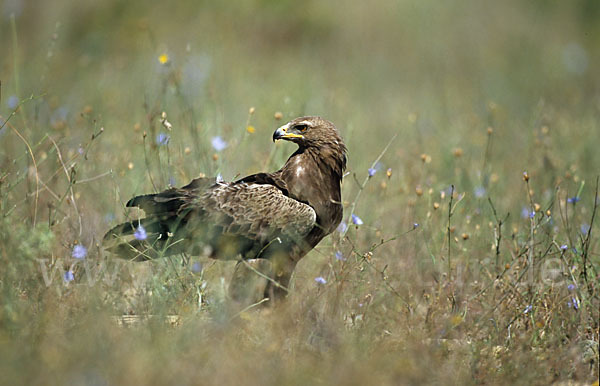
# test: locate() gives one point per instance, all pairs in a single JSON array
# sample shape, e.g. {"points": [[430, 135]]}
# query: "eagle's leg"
{"points": [[283, 268], [250, 285], [249, 280]]}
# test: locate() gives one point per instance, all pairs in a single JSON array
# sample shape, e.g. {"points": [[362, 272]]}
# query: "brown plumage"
{"points": [[274, 217]]}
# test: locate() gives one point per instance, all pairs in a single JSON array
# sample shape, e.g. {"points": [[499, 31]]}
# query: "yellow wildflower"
{"points": [[163, 58]]}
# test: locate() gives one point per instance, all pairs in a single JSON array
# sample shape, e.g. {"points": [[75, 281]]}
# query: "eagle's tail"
{"points": [[160, 232], [150, 237], [139, 240]]}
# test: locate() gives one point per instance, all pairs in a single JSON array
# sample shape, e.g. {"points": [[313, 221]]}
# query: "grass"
{"points": [[477, 258]]}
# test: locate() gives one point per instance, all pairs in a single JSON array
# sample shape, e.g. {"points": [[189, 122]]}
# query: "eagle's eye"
{"points": [[302, 127]]}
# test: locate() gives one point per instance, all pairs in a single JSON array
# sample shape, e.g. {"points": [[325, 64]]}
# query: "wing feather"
{"points": [[259, 212]]}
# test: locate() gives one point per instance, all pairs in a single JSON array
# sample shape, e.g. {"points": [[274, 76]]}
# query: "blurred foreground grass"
{"points": [[464, 270]]}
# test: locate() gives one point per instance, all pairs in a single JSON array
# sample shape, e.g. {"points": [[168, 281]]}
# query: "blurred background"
{"points": [[467, 93], [438, 75]]}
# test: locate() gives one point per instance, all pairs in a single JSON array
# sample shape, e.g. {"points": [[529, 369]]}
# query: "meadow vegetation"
{"points": [[469, 251]]}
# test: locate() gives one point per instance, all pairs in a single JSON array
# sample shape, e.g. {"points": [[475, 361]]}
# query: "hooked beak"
{"points": [[282, 133]]}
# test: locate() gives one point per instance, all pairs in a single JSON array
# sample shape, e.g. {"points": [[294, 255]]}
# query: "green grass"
{"points": [[474, 93]]}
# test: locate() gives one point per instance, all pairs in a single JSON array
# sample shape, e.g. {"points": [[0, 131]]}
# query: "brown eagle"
{"points": [[270, 220]]}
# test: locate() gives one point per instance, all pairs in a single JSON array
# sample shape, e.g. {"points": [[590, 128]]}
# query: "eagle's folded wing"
{"points": [[232, 219], [259, 212]]}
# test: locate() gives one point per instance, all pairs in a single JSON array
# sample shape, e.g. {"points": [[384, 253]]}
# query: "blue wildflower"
{"points": [[339, 256], [564, 247], [527, 309], [415, 225], [79, 252], [140, 233], [449, 190], [372, 172], [109, 217], [59, 115], [320, 280], [218, 143], [585, 228], [573, 200], [68, 276], [12, 102], [356, 220], [196, 267], [479, 191], [162, 139], [571, 287], [342, 227], [574, 302]]}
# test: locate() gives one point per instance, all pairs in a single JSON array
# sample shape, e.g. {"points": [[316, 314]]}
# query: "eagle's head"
{"points": [[309, 131], [315, 133]]}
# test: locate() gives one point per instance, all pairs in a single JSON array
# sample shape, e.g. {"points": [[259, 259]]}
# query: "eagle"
{"points": [[265, 221]]}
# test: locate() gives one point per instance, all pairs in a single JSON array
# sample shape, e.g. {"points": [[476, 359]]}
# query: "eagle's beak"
{"points": [[282, 133]]}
